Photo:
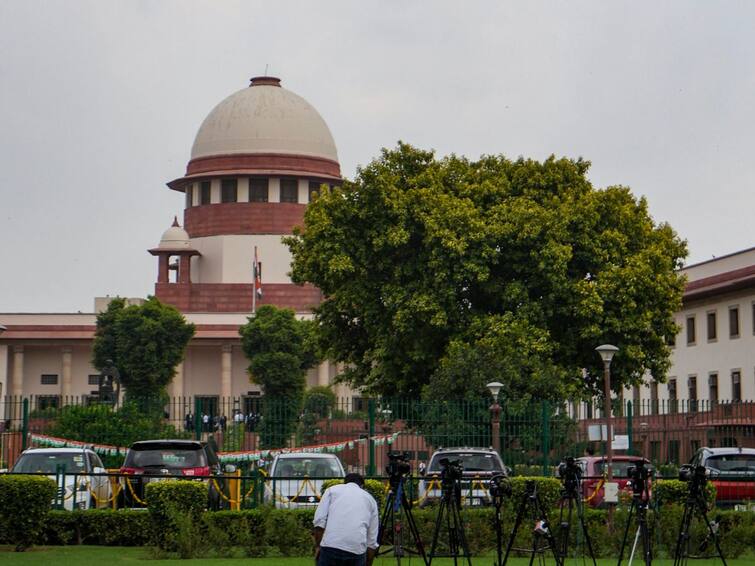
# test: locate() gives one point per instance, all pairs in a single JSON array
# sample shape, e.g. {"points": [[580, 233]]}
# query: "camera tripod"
{"points": [[448, 514], [397, 503], [640, 499], [571, 500], [695, 504], [531, 500]]}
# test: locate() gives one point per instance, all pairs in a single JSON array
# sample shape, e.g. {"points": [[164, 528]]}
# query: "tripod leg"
{"points": [[647, 547], [436, 533], [413, 528], [517, 523], [549, 533], [585, 532], [626, 534], [386, 519], [462, 534], [714, 535], [682, 541]]}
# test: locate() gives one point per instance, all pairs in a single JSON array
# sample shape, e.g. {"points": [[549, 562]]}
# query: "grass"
{"points": [[120, 556]]}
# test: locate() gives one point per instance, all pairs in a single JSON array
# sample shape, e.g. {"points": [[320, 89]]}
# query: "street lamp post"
{"points": [[495, 414], [607, 352]]}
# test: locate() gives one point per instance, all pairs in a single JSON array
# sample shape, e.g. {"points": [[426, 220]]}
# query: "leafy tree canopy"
{"points": [[280, 349], [443, 274], [145, 342]]}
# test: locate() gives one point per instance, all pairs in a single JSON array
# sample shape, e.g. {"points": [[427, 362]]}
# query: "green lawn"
{"points": [[117, 556]]}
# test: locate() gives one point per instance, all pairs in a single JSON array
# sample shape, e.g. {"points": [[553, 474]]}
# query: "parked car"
{"points": [[296, 479], [157, 460], [731, 470], [479, 465], [73, 468], [593, 468]]}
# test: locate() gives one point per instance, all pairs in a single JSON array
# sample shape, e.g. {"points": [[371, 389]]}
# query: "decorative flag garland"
{"points": [[240, 456]]}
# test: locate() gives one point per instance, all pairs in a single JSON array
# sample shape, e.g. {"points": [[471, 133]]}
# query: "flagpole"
{"points": [[254, 283]]}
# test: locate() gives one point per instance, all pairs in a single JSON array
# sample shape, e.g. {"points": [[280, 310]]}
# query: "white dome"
{"points": [[264, 118], [175, 238]]}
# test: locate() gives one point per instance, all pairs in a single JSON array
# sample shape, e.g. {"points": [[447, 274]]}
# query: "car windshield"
{"points": [[472, 461], [620, 468], [726, 463], [312, 467], [49, 462], [166, 458]]}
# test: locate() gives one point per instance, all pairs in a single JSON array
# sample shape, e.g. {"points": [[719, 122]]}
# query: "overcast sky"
{"points": [[100, 102]]}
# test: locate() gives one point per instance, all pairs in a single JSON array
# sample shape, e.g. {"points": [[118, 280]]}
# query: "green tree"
{"points": [[424, 260], [145, 342], [280, 349]]}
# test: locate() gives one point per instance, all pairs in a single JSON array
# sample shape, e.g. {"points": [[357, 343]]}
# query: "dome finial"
{"points": [[265, 81], [175, 222]]}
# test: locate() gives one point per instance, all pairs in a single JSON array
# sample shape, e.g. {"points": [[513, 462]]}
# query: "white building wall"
{"points": [[228, 259]]}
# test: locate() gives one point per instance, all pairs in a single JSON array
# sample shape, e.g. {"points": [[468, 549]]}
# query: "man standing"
{"points": [[346, 525]]}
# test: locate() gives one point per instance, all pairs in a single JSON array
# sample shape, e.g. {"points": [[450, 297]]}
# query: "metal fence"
{"points": [[247, 430]]}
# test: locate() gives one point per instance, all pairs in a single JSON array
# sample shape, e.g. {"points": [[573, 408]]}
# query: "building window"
{"points": [[733, 322], [736, 385], [189, 194], [713, 388], [753, 317], [258, 189], [690, 330], [654, 397], [204, 192], [692, 390], [314, 190], [229, 190], [636, 400], [672, 396], [49, 379], [711, 318], [47, 402], [289, 190], [94, 379]]}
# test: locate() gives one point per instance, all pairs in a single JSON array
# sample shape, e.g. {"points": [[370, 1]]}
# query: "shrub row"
{"points": [[280, 532]]}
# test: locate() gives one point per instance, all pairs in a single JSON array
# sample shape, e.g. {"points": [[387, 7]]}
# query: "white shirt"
{"points": [[350, 518]]}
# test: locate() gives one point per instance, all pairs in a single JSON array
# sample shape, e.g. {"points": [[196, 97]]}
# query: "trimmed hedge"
{"points": [[282, 532], [667, 492], [24, 504], [175, 507]]}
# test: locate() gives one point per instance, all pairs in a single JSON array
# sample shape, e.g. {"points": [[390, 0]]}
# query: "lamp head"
{"points": [[494, 387], [606, 352]]}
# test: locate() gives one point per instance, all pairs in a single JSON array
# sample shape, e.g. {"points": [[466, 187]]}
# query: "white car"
{"points": [[73, 468], [296, 479]]}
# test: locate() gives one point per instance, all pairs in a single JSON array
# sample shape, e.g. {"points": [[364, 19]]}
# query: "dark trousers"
{"points": [[338, 557]]}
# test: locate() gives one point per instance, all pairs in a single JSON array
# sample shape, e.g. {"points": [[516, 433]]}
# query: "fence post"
{"points": [[197, 419], [371, 435], [630, 436], [545, 422], [25, 425]]}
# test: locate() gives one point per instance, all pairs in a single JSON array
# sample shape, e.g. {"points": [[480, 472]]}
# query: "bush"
{"points": [[549, 490], [104, 527], [24, 504], [375, 488], [667, 492], [175, 506]]}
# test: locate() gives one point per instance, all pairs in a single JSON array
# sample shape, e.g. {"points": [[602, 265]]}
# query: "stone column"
{"points": [[177, 385], [162, 268], [3, 372], [226, 368], [323, 373], [18, 371], [65, 384], [184, 268]]}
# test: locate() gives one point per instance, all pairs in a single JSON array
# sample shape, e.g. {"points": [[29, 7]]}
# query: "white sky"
{"points": [[100, 102]]}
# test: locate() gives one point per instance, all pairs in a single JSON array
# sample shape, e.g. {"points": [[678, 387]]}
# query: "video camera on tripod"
{"points": [[570, 474], [499, 486], [639, 476], [696, 474], [398, 466]]}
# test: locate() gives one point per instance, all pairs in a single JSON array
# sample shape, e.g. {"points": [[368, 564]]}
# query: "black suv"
{"points": [[157, 460]]}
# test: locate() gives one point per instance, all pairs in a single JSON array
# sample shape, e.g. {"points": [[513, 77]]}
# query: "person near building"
{"points": [[346, 525]]}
